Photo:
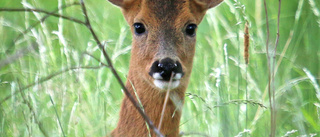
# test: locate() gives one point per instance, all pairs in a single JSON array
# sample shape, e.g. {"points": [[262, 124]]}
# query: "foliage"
{"points": [[70, 90]]}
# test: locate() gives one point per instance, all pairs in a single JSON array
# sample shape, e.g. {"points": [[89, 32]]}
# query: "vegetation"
{"points": [[54, 80]]}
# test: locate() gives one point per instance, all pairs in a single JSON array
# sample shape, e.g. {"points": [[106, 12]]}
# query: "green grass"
{"points": [[87, 101]]}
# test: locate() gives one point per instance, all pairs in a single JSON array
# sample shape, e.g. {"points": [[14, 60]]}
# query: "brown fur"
{"points": [[165, 22]]}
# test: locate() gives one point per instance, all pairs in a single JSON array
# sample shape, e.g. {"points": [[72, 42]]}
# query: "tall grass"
{"points": [[83, 99]]}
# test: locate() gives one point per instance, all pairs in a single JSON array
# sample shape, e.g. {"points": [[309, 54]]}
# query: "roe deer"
{"points": [[163, 45]]}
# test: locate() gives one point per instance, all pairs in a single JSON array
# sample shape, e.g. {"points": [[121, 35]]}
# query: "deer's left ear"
{"points": [[207, 4], [213, 3], [121, 3]]}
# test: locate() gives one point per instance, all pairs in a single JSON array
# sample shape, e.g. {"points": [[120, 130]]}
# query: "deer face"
{"points": [[164, 36]]}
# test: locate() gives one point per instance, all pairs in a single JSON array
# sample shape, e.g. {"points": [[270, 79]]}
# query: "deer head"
{"points": [[163, 45], [164, 36]]}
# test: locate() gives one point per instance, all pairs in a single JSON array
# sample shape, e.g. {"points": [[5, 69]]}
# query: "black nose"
{"points": [[165, 68]]}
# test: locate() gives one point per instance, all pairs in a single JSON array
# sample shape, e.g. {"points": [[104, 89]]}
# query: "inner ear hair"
{"points": [[122, 3], [207, 4]]}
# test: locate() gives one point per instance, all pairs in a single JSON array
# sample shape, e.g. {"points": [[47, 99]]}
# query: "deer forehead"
{"points": [[171, 14], [166, 11]]}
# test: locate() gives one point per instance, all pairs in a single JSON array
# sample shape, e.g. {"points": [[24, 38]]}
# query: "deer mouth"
{"points": [[165, 84], [166, 73]]}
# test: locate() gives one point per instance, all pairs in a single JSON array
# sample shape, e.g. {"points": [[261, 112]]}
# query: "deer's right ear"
{"points": [[121, 3], [207, 4]]}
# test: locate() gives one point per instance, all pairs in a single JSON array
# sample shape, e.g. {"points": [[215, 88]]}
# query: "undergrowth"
{"points": [[54, 80]]}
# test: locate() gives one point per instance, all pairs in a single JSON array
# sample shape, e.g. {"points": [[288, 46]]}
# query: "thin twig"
{"points": [[145, 117], [269, 69], [283, 51], [86, 53], [54, 107], [165, 102], [278, 28], [268, 30], [44, 18], [41, 11], [273, 72], [46, 79]]}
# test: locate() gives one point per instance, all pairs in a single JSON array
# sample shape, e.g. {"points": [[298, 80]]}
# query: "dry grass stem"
{"points": [[165, 102], [55, 110]]}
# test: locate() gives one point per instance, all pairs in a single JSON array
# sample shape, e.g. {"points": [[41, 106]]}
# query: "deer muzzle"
{"points": [[164, 70]]}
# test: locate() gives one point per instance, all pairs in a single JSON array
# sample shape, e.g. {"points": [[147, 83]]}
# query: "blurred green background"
{"points": [[67, 89]]}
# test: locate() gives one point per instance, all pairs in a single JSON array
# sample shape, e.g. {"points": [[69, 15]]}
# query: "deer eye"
{"points": [[139, 28], [191, 30]]}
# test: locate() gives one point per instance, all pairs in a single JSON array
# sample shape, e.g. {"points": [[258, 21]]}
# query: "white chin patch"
{"points": [[165, 84]]}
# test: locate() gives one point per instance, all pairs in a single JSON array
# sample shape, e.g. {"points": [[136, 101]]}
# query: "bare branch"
{"points": [[145, 117], [273, 131], [44, 18], [86, 53], [25, 51], [41, 11]]}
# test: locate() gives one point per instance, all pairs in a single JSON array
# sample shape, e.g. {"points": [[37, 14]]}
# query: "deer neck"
{"points": [[152, 100]]}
